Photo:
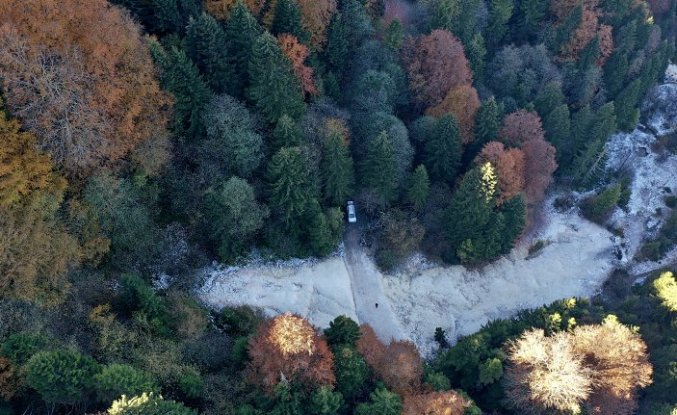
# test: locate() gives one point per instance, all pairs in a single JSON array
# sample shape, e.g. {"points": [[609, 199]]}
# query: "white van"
{"points": [[351, 212]]}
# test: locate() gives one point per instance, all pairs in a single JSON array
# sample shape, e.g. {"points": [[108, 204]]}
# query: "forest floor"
{"points": [[576, 259]]}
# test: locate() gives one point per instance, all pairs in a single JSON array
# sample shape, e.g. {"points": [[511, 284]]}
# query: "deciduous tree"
{"points": [[510, 168], [436, 64], [463, 103], [436, 403], [297, 54], [80, 77], [288, 346]]}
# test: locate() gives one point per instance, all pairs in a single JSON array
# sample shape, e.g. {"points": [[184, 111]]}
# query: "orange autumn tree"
{"points": [[509, 164], [523, 129], [79, 75], [585, 33], [370, 346], [22, 168], [620, 363], [436, 64], [288, 347], [36, 251], [315, 18], [398, 364], [297, 54], [436, 403], [463, 103]]}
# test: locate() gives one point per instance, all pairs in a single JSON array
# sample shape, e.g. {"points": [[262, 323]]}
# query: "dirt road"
{"points": [[372, 306]]}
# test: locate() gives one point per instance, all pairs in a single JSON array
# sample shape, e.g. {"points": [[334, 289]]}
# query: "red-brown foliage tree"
{"points": [[315, 18], [463, 103], [540, 164], [370, 346], [79, 75], [436, 64], [401, 367], [435, 403], [510, 166], [297, 54], [586, 31], [520, 127], [523, 129], [288, 346]]}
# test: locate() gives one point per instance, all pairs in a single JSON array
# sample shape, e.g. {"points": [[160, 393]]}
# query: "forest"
{"points": [[142, 139]]}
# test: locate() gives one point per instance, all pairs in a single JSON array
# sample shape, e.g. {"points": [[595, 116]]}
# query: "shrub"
{"points": [[148, 404]]}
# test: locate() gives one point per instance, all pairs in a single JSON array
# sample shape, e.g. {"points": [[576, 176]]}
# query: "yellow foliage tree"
{"points": [[666, 290], [22, 168]]}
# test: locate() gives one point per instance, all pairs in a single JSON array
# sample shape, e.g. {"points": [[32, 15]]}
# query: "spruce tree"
{"points": [[382, 402], [181, 77], [515, 212], [549, 98], [626, 106], [286, 133], [290, 185], [500, 12], [324, 401], [394, 35], [241, 31], [287, 19], [172, 16], [274, 88], [206, 45], [443, 150], [469, 212], [557, 126], [487, 125], [531, 14], [337, 170], [419, 188], [378, 169]]}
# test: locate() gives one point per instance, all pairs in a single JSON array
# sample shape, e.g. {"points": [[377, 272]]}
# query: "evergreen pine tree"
{"points": [[378, 170], [443, 150], [324, 401], [419, 188], [469, 212], [589, 55], [172, 16], [320, 236], [500, 12], [487, 125], [338, 45], [382, 402], [290, 185], [394, 35], [590, 159], [549, 98], [206, 45], [241, 31], [627, 112], [566, 29], [476, 51], [337, 170], [286, 133], [514, 211], [531, 14], [274, 88], [557, 126], [181, 77], [287, 19]]}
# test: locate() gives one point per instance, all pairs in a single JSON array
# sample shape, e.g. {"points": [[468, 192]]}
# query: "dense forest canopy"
{"points": [[141, 138]]}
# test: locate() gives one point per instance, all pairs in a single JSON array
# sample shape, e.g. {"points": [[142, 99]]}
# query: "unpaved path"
{"points": [[372, 306]]}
